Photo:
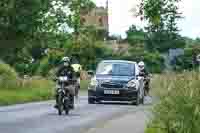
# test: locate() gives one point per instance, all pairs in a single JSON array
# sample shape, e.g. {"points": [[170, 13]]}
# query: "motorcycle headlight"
{"points": [[131, 84], [63, 78]]}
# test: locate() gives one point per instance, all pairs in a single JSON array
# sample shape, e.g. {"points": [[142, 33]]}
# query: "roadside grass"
{"points": [[178, 110], [14, 90], [29, 91]]}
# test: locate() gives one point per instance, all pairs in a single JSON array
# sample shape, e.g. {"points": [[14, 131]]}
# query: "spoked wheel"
{"points": [[60, 104]]}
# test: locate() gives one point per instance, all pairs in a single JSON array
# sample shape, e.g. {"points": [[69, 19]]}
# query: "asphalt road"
{"points": [[43, 118]]}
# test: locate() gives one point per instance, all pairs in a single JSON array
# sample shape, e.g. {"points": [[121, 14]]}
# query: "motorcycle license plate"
{"points": [[112, 92]]}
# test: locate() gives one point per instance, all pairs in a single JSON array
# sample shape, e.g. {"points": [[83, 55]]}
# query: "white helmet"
{"points": [[141, 65], [65, 59]]}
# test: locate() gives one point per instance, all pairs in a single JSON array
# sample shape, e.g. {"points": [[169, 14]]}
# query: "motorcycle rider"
{"points": [[66, 70], [144, 73], [77, 69]]}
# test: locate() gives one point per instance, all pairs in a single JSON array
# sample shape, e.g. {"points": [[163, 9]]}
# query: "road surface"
{"points": [[42, 117]]}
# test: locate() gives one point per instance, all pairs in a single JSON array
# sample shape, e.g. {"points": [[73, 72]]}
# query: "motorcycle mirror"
{"points": [[90, 72]]}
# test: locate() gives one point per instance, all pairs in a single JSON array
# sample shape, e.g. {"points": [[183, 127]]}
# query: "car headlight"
{"points": [[93, 83], [131, 84]]}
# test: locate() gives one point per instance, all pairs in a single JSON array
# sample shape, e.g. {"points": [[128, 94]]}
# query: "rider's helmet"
{"points": [[75, 63], [66, 61], [141, 65]]}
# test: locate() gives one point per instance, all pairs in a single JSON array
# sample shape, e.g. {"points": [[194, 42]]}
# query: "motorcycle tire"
{"points": [[60, 104], [66, 107]]}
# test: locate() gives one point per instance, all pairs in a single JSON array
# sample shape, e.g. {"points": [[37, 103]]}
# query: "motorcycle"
{"points": [[63, 95]]}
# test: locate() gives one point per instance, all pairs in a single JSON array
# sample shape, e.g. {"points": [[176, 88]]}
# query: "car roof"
{"points": [[118, 61]]}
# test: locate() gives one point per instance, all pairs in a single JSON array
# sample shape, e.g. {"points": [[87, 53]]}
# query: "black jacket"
{"points": [[65, 71], [144, 73]]}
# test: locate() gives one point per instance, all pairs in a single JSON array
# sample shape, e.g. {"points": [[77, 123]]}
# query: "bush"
{"points": [[179, 108], [44, 67], [8, 77], [25, 69], [55, 57], [154, 62], [188, 60]]}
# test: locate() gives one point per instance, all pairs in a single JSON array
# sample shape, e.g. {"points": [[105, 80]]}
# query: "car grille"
{"points": [[111, 85]]}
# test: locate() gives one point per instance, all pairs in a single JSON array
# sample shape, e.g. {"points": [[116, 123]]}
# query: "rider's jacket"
{"points": [[65, 71], [144, 73]]}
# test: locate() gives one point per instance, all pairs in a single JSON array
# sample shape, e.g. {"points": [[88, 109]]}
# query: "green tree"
{"points": [[25, 22], [162, 16], [78, 8], [18, 21], [135, 35], [91, 49]]}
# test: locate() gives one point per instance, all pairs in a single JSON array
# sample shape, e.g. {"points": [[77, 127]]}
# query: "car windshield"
{"points": [[116, 69]]}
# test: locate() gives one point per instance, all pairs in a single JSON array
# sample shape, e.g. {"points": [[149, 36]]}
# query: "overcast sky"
{"points": [[120, 16]]}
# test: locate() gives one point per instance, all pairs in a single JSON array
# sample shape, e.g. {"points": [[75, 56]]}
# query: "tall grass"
{"points": [[8, 77], [179, 108]]}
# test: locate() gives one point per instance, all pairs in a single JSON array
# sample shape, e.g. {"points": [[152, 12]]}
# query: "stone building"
{"points": [[98, 17]]}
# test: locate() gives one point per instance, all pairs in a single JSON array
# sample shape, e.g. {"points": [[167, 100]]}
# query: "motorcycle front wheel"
{"points": [[60, 104], [67, 106]]}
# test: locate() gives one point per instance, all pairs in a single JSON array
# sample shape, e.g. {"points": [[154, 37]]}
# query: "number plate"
{"points": [[113, 92]]}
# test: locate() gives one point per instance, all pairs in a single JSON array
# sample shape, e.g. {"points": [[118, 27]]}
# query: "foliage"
{"points": [[44, 67], [19, 19], [8, 76], [162, 29], [154, 62], [178, 109], [36, 24], [91, 49], [188, 60], [135, 35]]}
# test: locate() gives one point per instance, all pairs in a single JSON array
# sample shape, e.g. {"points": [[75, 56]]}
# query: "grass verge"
{"points": [[178, 110], [29, 91]]}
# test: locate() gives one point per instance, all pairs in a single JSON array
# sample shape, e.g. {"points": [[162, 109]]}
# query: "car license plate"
{"points": [[112, 92]]}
